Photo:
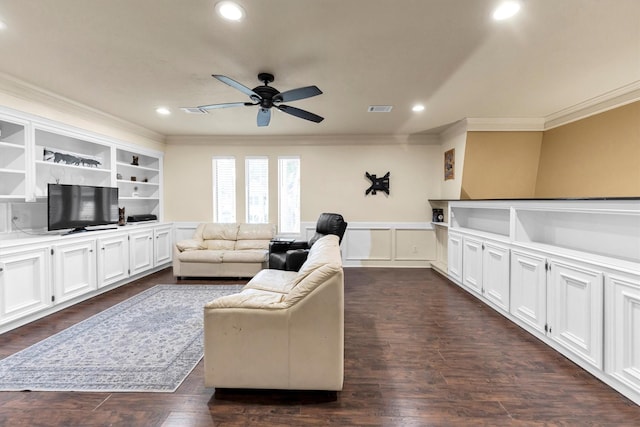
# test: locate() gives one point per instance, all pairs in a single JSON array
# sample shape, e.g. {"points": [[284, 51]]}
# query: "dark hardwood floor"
{"points": [[419, 351]]}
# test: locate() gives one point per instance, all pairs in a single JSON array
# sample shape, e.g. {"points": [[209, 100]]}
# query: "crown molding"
{"points": [[608, 101], [298, 140], [522, 124], [28, 92]]}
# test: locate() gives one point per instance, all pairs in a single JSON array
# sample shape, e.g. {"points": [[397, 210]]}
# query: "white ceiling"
{"points": [[126, 57]]}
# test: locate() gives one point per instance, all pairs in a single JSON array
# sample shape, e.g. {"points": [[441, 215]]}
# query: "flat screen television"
{"points": [[79, 206]]}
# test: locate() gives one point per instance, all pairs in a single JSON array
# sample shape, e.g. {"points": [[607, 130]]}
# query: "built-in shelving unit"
{"points": [[35, 152], [13, 159], [138, 179], [567, 271], [65, 158]]}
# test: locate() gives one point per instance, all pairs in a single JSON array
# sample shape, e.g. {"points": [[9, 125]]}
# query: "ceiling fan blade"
{"points": [[295, 94], [300, 113], [264, 116], [239, 86], [226, 105]]}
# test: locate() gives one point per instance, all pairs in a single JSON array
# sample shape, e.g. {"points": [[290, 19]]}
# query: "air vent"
{"points": [[193, 110], [379, 108]]}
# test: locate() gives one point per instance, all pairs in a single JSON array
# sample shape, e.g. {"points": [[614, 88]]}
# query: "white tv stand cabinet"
{"points": [[40, 275], [567, 271]]}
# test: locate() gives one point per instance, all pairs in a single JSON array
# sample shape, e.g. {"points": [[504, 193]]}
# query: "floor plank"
{"points": [[419, 351]]}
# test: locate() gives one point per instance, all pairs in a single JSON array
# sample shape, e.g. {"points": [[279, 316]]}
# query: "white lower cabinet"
{"points": [[39, 278], [454, 256], [113, 259], [622, 326], [163, 245], [575, 309], [74, 269], [472, 264], [24, 282], [529, 289], [485, 270], [495, 274], [140, 251]]}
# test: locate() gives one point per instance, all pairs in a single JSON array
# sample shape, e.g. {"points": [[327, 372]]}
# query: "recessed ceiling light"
{"points": [[506, 10], [230, 11], [3, 26], [164, 111], [418, 108]]}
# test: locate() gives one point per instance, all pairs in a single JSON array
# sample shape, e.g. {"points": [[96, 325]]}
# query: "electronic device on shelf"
{"points": [[142, 217]]}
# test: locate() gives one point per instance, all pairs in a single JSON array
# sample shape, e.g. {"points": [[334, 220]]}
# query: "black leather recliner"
{"points": [[290, 255]]}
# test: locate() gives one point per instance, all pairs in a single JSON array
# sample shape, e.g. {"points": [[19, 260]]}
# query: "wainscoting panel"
{"points": [[415, 245], [367, 244]]}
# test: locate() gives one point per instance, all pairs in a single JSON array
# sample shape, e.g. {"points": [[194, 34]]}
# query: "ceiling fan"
{"points": [[266, 97]]}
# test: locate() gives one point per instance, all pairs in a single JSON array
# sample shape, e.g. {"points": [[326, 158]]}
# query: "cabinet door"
{"points": [[495, 274], [575, 312], [472, 264], [529, 289], [24, 282], [623, 328], [163, 249], [74, 267], [113, 259], [140, 251], [454, 255]]}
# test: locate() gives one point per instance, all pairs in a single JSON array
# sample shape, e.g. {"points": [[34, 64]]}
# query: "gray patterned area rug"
{"points": [[148, 343]]}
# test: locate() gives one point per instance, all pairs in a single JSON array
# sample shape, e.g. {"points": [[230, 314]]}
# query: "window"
{"points": [[257, 189], [224, 189], [289, 194]]}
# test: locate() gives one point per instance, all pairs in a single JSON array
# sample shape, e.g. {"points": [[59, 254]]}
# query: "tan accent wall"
{"points": [[500, 165], [593, 157], [333, 179]]}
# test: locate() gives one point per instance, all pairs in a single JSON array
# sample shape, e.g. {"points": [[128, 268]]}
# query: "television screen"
{"points": [[80, 206]]}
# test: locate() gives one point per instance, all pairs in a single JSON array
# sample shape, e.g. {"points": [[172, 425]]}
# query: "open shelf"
{"points": [[488, 220], [614, 233]]}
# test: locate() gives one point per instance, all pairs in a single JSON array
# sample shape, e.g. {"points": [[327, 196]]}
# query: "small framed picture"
{"points": [[449, 164]]}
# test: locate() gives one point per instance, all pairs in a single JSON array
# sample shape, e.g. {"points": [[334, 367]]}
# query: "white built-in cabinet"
{"points": [[35, 152], [162, 245], [25, 282], [41, 275], [529, 289], [13, 157], [141, 251], [113, 258], [74, 268], [622, 328], [567, 271], [454, 255]]}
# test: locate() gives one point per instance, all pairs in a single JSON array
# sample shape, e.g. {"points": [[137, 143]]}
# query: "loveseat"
{"points": [[223, 250], [284, 330]]}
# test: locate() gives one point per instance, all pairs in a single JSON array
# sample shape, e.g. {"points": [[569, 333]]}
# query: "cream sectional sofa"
{"points": [[284, 330], [223, 250]]}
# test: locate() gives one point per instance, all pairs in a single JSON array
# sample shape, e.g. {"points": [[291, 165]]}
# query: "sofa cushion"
{"points": [[219, 245], [218, 231], [256, 232], [272, 280], [190, 245], [249, 298], [242, 245], [201, 256], [245, 256]]}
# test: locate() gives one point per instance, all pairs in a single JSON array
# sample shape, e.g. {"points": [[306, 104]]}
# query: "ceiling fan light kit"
{"points": [[266, 97]]}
